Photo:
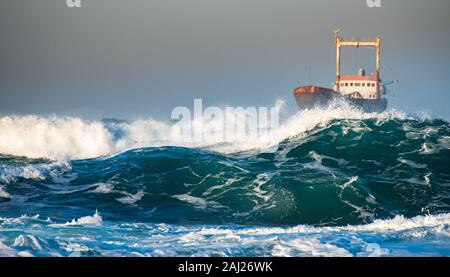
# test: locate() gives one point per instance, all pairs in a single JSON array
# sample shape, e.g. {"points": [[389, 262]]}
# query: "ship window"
{"points": [[346, 84], [373, 84], [357, 84], [363, 84], [351, 84], [369, 84]]}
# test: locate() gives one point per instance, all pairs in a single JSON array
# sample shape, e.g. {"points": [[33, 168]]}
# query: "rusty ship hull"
{"points": [[310, 97]]}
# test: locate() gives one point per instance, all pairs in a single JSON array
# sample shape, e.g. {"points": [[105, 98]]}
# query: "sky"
{"points": [[141, 58]]}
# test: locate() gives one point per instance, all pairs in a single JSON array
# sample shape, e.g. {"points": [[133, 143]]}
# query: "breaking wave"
{"points": [[325, 182], [69, 138]]}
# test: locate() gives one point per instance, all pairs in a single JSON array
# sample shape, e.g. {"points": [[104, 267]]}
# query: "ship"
{"points": [[361, 90]]}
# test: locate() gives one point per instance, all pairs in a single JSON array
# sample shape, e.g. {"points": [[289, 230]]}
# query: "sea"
{"points": [[326, 182]]}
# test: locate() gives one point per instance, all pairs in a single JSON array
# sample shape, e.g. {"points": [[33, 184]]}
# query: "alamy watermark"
{"points": [[77, 3], [73, 3], [230, 124], [373, 3]]}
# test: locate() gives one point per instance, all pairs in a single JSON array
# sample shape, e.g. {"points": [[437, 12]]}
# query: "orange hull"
{"points": [[310, 97]]}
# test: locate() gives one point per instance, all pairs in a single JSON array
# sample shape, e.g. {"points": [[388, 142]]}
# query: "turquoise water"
{"points": [[347, 184]]}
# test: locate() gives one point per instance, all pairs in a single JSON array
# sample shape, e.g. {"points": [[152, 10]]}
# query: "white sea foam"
{"points": [[53, 137], [95, 220], [443, 143], [27, 241], [6, 251], [396, 224], [23, 219], [4, 194], [131, 198], [103, 188], [308, 247], [412, 164], [60, 138], [10, 174], [396, 236], [198, 202], [304, 240]]}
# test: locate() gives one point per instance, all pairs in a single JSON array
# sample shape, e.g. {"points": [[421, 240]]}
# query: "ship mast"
{"points": [[355, 42]]}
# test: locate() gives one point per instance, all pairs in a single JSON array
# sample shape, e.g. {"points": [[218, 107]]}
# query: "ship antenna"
{"points": [[336, 33], [309, 69]]}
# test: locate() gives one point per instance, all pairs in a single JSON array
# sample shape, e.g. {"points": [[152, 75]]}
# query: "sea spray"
{"points": [[70, 138]]}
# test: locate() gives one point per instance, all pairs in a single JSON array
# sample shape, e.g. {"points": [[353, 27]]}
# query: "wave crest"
{"points": [[70, 138]]}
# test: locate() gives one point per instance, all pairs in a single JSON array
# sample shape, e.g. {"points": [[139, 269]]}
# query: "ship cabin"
{"points": [[359, 86]]}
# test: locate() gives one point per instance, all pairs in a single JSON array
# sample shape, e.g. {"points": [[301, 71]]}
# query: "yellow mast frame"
{"points": [[355, 42]]}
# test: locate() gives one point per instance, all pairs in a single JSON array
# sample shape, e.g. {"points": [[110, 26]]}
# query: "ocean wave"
{"points": [[12, 173], [341, 171], [334, 182], [70, 138]]}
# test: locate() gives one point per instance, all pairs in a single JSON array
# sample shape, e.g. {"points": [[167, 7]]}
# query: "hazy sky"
{"points": [[139, 58]]}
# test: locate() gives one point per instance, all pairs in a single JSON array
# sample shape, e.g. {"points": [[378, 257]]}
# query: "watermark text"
{"points": [[373, 3], [73, 3]]}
